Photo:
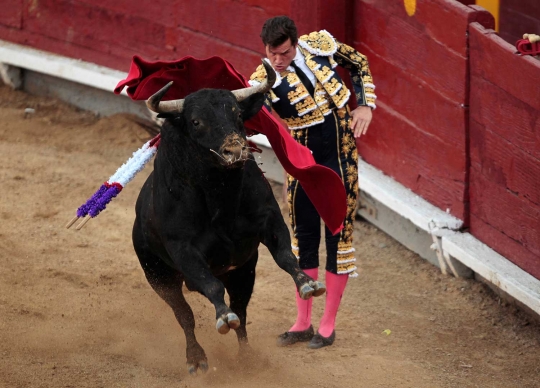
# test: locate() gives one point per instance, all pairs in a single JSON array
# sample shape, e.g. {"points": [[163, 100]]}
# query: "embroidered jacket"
{"points": [[322, 53]]}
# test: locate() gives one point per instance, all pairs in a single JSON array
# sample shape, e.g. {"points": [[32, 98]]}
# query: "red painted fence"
{"points": [[428, 68], [109, 33], [505, 149], [420, 66]]}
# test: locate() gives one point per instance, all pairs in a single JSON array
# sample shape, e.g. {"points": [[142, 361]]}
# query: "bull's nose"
{"points": [[233, 154]]}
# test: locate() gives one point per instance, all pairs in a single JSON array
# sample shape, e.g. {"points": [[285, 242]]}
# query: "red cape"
{"points": [[322, 185]]}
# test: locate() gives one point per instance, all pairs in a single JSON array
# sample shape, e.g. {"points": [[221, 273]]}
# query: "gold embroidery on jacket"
{"points": [[306, 106], [318, 43], [309, 119], [297, 94], [333, 86], [324, 74], [293, 79], [341, 98]]}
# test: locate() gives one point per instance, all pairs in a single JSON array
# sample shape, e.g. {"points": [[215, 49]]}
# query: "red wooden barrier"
{"points": [[420, 67], [505, 149], [110, 33]]}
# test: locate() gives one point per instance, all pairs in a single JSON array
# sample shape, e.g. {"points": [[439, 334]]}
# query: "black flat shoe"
{"points": [[292, 337], [318, 341]]}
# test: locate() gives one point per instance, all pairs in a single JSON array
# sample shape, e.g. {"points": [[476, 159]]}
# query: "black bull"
{"points": [[204, 210]]}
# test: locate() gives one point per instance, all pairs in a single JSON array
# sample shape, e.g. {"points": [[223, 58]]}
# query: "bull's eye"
{"points": [[195, 122], [239, 115]]}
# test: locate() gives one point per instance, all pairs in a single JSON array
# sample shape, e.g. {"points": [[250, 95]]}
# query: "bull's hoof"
{"points": [[306, 291], [313, 288], [227, 322], [195, 366], [319, 288]]}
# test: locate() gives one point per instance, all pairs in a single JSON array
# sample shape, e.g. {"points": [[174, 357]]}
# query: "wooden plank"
{"points": [[104, 30], [160, 11], [96, 28], [421, 162], [332, 16], [404, 44], [444, 21], [504, 164], [11, 14], [514, 251], [244, 61], [515, 217], [494, 60], [418, 102], [171, 14], [99, 35], [505, 115], [113, 60], [236, 23], [525, 7]]}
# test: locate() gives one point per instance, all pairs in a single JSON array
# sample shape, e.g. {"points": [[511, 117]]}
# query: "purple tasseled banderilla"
{"points": [[90, 203], [101, 202]]}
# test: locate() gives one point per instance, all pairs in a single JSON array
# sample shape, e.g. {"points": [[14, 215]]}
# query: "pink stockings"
{"points": [[303, 307], [335, 286]]}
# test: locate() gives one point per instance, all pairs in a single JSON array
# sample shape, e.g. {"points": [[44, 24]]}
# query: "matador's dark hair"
{"points": [[277, 30]]}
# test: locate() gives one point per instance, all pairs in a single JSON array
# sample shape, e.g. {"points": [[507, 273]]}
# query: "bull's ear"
{"points": [[251, 105]]}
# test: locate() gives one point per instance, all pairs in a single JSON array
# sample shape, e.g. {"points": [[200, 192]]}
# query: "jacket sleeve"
{"points": [[358, 66]]}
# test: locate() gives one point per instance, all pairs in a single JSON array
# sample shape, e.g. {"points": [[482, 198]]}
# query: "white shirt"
{"points": [[300, 61]]}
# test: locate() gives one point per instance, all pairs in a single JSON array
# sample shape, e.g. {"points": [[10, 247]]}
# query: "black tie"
{"points": [[304, 78]]}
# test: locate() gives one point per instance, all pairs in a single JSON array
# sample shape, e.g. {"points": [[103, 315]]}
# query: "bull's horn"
{"points": [[155, 104], [242, 94]]}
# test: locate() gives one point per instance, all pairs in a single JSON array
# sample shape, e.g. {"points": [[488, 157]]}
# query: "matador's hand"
{"points": [[361, 118]]}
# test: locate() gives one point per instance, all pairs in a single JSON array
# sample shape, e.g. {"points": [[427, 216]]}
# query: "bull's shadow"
{"points": [[206, 207]]}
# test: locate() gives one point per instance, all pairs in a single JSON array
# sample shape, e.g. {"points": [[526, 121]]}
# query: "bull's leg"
{"points": [[196, 358], [198, 277], [239, 284], [278, 242], [167, 283], [169, 288]]}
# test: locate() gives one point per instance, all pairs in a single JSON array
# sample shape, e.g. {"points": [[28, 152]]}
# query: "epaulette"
{"points": [[259, 75], [320, 43]]}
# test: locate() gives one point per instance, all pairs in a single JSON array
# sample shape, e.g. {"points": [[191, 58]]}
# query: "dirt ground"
{"points": [[76, 310]]}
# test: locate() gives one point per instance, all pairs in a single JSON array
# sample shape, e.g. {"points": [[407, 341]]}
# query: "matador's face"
{"points": [[281, 56]]}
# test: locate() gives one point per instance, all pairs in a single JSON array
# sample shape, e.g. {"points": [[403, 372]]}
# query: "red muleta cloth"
{"points": [[322, 185]]}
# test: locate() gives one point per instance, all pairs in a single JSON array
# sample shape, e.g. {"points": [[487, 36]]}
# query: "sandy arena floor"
{"points": [[76, 310]]}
